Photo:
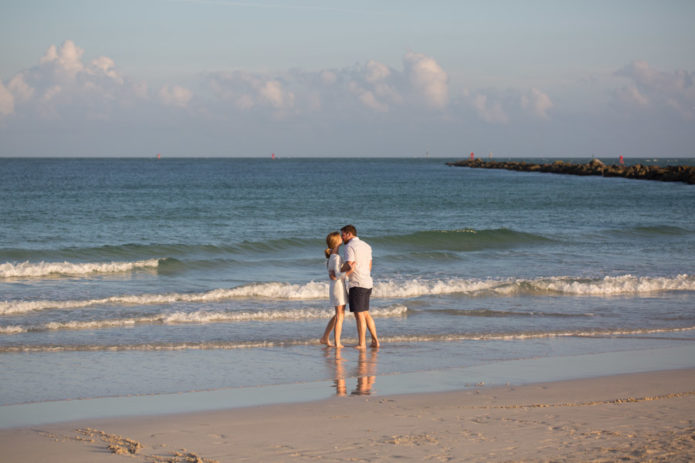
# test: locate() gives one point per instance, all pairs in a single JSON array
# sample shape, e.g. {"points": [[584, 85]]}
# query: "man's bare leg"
{"points": [[372, 329], [361, 330]]}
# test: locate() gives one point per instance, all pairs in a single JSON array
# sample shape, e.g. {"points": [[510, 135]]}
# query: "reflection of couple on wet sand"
{"points": [[366, 373], [356, 267]]}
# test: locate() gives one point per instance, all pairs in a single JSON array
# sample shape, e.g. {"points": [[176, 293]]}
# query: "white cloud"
{"points": [[105, 66], [67, 59], [489, 111], [51, 93], [6, 101], [63, 85], [66, 83], [274, 93], [651, 89], [641, 73], [428, 78], [247, 90], [362, 105], [376, 72], [536, 103], [20, 89], [367, 97], [512, 105], [175, 96], [328, 77], [632, 96], [373, 86]]}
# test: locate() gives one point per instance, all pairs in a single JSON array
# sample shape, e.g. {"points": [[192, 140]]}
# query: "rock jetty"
{"points": [[594, 167]]}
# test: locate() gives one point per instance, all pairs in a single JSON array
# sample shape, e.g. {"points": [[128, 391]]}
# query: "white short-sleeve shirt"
{"points": [[361, 253]]}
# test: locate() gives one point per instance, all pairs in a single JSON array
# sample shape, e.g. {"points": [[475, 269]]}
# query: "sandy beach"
{"points": [[632, 417]]}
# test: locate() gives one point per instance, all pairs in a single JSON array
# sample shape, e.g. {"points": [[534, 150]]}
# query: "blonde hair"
{"points": [[332, 241]]}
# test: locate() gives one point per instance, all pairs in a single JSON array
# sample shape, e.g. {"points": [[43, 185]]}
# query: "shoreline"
{"points": [[629, 417], [367, 383], [595, 167]]}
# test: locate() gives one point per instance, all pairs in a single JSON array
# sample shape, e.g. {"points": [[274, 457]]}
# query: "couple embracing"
{"points": [[356, 267]]}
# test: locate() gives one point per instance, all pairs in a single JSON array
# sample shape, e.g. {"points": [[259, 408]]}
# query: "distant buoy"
{"points": [[472, 156], [159, 156], [272, 156], [622, 161]]}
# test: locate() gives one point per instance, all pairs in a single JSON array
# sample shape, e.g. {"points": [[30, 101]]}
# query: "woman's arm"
{"points": [[337, 269]]}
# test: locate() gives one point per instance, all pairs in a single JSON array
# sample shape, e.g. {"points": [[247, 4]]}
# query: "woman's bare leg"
{"points": [[339, 317], [325, 339]]}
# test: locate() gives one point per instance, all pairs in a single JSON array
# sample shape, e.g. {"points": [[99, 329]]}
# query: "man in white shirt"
{"points": [[358, 266]]}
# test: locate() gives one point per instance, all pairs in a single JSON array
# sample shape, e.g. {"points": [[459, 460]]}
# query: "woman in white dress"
{"points": [[337, 291]]}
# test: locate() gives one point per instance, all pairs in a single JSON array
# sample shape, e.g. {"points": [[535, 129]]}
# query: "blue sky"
{"points": [[328, 78]]}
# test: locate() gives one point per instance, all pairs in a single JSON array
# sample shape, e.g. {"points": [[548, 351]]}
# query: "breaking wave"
{"points": [[44, 269], [624, 285], [312, 290], [560, 285], [199, 317]]}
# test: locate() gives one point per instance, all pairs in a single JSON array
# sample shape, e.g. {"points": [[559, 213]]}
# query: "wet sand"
{"points": [[631, 417]]}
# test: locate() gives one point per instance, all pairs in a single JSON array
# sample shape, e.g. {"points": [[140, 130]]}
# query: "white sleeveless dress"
{"points": [[337, 291]]}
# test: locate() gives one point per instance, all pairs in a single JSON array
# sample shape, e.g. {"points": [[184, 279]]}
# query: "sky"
{"points": [[324, 78]]}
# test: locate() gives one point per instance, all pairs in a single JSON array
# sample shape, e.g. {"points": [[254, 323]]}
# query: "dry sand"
{"points": [[637, 417]]}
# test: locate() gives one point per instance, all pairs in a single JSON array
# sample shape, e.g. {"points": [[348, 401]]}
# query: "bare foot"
{"points": [[361, 347], [326, 341], [375, 343], [339, 346]]}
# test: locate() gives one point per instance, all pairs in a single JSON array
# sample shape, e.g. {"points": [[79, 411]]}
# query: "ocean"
{"points": [[128, 277]]}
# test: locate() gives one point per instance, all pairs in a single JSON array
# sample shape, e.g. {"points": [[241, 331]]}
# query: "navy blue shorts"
{"points": [[359, 299]]}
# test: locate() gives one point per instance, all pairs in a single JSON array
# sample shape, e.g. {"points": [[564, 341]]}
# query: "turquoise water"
{"points": [[144, 276]]}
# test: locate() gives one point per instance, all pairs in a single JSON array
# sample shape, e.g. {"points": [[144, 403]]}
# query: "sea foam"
{"points": [[560, 285], [44, 269], [392, 340], [200, 317]]}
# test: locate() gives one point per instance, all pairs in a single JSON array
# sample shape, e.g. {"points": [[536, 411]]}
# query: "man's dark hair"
{"points": [[349, 229]]}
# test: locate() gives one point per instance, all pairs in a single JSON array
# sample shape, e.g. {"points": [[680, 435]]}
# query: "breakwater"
{"points": [[594, 167]]}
